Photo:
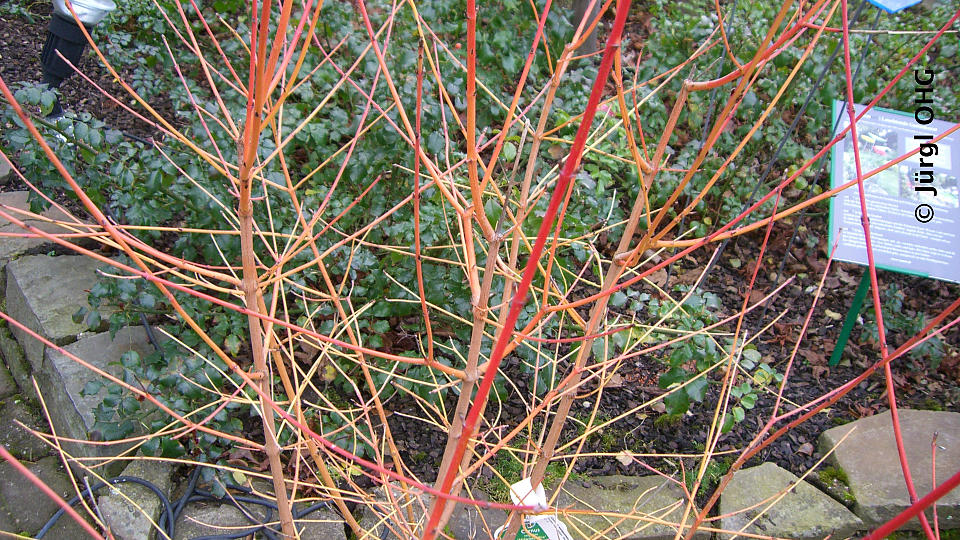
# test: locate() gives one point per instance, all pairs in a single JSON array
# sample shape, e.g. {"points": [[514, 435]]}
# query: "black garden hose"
{"points": [[172, 510]]}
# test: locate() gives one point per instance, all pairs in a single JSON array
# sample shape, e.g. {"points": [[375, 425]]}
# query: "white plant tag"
{"points": [[537, 526]]}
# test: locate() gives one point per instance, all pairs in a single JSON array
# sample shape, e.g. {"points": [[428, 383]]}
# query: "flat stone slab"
{"points": [[869, 458], [645, 497], [18, 200], [62, 381], [467, 522], [322, 524], [207, 519], [804, 512], [43, 293], [14, 437], [130, 510], [23, 508], [12, 245], [198, 520]]}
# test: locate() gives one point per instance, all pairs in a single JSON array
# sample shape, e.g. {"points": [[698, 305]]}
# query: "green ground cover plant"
{"points": [[351, 203]]}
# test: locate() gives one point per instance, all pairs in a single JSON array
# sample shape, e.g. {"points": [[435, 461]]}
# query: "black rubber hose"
{"points": [[167, 508], [172, 511]]}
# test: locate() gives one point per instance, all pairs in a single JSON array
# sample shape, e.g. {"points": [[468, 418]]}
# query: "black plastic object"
{"points": [[65, 36]]}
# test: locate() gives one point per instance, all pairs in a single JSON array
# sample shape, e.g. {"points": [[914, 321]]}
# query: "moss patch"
{"points": [[834, 481]]}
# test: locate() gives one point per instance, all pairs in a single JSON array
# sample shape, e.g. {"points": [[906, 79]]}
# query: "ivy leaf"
{"points": [[232, 343], [148, 300]]}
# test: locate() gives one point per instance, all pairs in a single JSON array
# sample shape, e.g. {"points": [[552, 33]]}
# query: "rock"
{"points": [[131, 510], [869, 459], [470, 522], [43, 293], [8, 386], [4, 170], [20, 442], [466, 523], [804, 512], [12, 246], [379, 517], [26, 509], [208, 519], [17, 362], [62, 381], [322, 524], [642, 496]]}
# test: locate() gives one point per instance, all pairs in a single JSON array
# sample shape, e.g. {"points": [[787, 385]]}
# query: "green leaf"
{"points": [[509, 151], [748, 401], [33, 95], [80, 130], [130, 359], [697, 389], [151, 446], [727, 423], [112, 431], [677, 402], [47, 100], [232, 343], [148, 300], [91, 388], [92, 320], [95, 137], [170, 448], [674, 376], [750, 358]]}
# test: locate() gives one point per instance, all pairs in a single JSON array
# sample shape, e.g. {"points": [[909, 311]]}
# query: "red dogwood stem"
{"points": [[519, 299], [872, 269]]}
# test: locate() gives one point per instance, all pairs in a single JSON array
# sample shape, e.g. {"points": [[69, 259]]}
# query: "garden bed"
{"points": [[927, 381]]}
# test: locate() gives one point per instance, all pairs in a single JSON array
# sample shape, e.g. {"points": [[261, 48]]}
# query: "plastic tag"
{"points": [[538, 526]]}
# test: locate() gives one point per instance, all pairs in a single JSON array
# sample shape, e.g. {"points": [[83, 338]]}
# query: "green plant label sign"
{"points": [[913, 204], [535, 532], [541, 527]]}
